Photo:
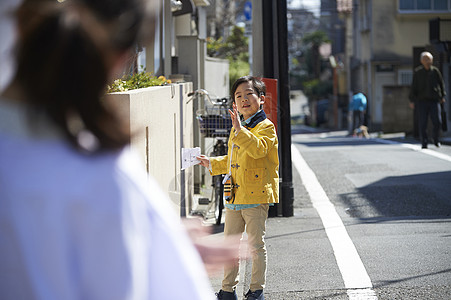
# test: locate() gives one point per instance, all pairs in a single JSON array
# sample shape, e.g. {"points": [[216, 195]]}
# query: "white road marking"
{"points": [[353, 272], [362, 294], [418, 148]]}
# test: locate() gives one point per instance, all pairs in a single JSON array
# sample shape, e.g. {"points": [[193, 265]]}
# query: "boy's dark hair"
{"points": [[64, 56], [257, 84]]}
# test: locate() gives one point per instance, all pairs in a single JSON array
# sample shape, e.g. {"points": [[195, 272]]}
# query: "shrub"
{"points": [[137, 81]]}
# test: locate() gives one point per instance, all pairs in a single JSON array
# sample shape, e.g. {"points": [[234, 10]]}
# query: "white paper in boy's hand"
{"points": [[189, 157]]}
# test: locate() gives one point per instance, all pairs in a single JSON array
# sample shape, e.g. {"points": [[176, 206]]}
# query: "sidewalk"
{"points": [[446, 137], [286, 249], [285, 240]]}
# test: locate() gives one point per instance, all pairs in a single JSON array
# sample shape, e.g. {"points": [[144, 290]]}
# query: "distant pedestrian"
{"points": [[79, 218], [358, 108], [427, 91], [252, 165]]}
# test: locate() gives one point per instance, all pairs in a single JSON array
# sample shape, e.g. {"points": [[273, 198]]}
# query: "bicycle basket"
{"points": [[214, 125]]}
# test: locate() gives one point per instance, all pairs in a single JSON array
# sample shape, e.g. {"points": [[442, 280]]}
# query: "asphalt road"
{"points": [[394, 201]]}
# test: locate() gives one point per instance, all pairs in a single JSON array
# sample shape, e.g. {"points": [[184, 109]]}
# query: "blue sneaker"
{"points": [[223, 295], [255, 295]]}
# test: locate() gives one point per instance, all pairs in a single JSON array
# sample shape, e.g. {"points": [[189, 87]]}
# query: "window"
{"points": [[424, 5], [405, 77], [441, 5], [406, 4]]}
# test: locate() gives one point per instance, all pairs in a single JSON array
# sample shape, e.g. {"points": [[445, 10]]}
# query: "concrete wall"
{"points": [[161, 123], [217, 77], [398, 117], [191, 57]]}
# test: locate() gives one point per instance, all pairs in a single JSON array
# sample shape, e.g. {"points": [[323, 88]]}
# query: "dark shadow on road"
{"points": [[334, 142], [390, 282], [424, 195], [303, 129], [406, 220], [268, 237]]}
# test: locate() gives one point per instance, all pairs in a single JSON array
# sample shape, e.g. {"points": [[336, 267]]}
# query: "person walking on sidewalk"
{"points": [[358, 108], [79, 218], [427, 91], [252, 165]]}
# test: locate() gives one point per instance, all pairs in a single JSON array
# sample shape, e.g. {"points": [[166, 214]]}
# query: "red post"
{"points": [[270, 106]]}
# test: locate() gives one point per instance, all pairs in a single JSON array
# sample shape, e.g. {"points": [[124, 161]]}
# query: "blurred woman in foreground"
{"points": [[78, 217]]}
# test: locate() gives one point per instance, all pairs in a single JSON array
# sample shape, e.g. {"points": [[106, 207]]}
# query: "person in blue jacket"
{"points": [[358, 108]]}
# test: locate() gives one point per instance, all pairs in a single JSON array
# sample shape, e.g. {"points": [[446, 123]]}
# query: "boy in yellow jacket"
{"points": [[252, 163]]}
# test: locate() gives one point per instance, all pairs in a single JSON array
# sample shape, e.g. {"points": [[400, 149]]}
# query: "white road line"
{"points": [[418, 148], [352, 270]]}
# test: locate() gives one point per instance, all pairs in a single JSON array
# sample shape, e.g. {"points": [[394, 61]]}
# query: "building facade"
{"points": [[387, 37]]}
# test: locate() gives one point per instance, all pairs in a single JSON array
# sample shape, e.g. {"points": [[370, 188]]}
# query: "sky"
{"points": [[313, 5]]}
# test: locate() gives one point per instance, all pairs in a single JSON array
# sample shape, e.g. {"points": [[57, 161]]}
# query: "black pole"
{"points": [[275, 65], [268, 39], [284, 111], [269, 43]]}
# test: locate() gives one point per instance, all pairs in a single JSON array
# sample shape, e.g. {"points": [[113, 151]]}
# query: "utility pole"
{"points": [[275, 65]]}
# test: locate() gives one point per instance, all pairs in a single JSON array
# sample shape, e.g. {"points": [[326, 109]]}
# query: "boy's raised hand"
{"points": [[235, 116]]}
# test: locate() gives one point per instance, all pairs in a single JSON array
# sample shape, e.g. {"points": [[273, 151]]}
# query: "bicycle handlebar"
{"points": [[222, 101]]}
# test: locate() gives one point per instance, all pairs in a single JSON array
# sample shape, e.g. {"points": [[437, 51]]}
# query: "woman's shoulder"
{"points": [[52, 169]]}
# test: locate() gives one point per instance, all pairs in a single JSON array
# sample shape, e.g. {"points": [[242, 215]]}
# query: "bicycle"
{"points": [[214, 122]]}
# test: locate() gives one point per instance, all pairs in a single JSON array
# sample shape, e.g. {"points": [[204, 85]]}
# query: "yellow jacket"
{"points": [[254, 165]]}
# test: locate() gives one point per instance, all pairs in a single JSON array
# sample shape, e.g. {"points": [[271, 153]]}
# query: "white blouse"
{"points": [[86, 227]]}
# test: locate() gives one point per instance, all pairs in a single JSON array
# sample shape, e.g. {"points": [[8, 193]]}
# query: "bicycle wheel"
{"points": [[220, 148], [218, 198]]}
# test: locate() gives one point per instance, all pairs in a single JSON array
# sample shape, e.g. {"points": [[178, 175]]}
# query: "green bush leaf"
{"points": [[137, 81]]}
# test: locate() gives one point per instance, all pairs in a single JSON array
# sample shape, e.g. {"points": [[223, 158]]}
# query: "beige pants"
{"points": [[254, 220]]}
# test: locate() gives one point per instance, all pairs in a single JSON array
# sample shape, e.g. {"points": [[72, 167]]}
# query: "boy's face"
{"points": [[246, 99]]}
